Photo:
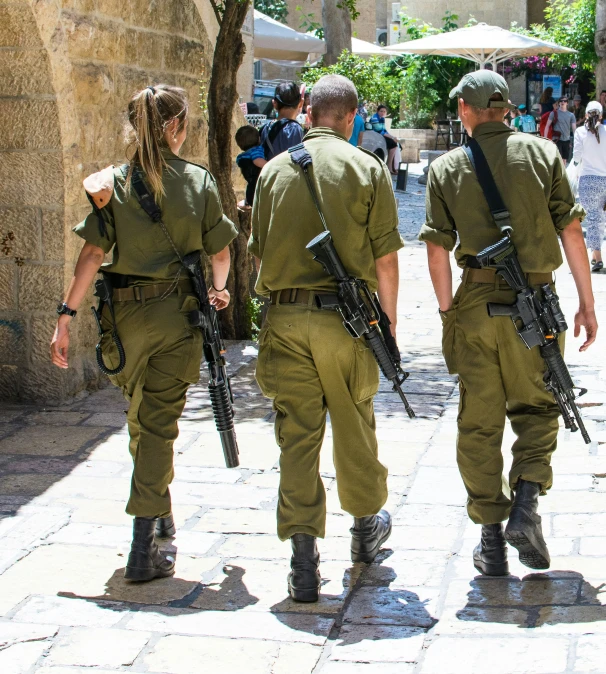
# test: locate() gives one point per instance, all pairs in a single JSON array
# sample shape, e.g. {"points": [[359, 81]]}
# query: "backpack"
{"points": [[270, 132], [527, 124], [544, 119]]}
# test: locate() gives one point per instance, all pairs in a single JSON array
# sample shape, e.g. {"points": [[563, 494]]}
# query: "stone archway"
{"points": [[31, 204], [66, 74]]}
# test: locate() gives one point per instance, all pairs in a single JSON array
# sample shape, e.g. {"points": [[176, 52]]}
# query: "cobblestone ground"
{"points": [[419, 608]]}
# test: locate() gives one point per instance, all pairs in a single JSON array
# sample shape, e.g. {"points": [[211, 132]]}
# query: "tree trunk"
{"points": [[337, 30], [600, 46], [222, 99]]}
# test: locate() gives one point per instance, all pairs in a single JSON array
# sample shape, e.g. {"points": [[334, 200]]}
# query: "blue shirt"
{"points": [[290, 134], [378, 124], [255, 152], [357, 128]]}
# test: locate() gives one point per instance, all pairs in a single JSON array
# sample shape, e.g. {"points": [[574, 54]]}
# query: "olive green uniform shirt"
{"points": [[192, 213], [530, 176], [356, 195]]}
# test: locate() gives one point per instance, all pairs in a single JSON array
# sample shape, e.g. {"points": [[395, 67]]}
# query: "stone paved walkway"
{"points": [[64, 480]]}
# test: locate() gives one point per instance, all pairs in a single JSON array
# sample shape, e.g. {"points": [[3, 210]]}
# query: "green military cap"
{"points": [[477, 88]]}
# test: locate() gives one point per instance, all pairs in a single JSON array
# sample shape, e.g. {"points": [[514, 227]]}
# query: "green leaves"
{"points": [[275, 9]]}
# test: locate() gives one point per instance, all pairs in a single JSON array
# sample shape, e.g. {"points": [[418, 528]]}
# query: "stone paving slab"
{"points": [[420, 608]]}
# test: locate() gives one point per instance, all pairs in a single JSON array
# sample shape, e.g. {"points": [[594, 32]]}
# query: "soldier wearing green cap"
{"points": [[498, 377]]}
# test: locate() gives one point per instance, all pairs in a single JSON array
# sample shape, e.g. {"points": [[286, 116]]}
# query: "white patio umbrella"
{"points": [[274, 40], [363, 48], [480, 43]]}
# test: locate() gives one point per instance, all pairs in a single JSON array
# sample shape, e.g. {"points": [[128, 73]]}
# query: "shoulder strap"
{"points": [[149, 205], [299, 155], [496, 205]]}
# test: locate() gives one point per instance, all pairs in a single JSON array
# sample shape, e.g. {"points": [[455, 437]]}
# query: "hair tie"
{"points": [[152, 90]]}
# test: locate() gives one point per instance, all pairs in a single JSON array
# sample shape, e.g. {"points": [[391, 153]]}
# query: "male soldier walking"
{"points": [[308, 363], [498, 375]]}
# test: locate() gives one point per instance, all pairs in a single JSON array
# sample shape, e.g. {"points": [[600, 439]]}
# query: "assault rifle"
{"points": [[206, 319], [538, 322], [219, 387], [361, 312]]}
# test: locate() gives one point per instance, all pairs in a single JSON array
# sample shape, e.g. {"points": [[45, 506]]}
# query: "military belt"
{"points": [[292, 296], [472, 275], [138, 293]]}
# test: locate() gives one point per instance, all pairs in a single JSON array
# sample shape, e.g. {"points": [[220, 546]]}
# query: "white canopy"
{"points": [[363, 48], [274, 40], [480, 43]]}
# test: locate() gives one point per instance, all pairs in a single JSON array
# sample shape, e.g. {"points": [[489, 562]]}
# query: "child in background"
{"points": [[250, 161]]}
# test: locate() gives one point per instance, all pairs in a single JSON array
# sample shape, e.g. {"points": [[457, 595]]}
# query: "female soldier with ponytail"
{"points": [[152, 298], [590, 153]]}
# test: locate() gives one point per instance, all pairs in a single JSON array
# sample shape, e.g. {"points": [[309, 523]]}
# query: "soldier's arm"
{"points": [[576, 256], [388, 277], [441, 274]]}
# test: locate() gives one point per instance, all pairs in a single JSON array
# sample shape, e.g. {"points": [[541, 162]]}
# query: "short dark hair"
{"points": [[287, 95], [247, 137], [333, 96], [381, 107]]}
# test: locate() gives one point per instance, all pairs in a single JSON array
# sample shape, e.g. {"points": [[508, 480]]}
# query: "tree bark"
{"points": [[600, 46], [222, 99], [337, 30]]}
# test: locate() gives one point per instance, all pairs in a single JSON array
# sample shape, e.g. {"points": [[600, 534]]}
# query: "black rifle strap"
{"points": [[496, 204], [300, 156]]}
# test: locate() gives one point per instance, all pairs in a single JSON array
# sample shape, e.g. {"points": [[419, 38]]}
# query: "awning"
{"points": [[274, 40]]}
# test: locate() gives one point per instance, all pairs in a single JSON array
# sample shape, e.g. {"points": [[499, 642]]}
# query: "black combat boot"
{"points": [[145, 561], [490, 557], [523, 530], [304, 579], [165, 527], [368, 535]]}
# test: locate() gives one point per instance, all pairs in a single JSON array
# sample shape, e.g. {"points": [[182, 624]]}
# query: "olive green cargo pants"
{"points": [[498, 378], [162, 359], [309, 365]]}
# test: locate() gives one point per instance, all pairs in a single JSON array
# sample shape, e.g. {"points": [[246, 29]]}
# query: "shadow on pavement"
{"points": [[552, 598]]}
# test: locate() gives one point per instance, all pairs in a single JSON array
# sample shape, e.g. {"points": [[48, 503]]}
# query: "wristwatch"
{"points": [[64, 309]]}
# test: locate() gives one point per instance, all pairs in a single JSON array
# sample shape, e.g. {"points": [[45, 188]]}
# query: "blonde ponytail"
{"points": [[150, 111]]}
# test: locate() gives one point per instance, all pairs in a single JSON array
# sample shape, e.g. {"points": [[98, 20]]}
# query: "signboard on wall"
{"points": [[555, 82]]}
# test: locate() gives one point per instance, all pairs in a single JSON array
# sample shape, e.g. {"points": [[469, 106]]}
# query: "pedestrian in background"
{"points": [[564, 126], [547, 100], [308, 363], [358, 131], [378, 123], [499, 377], [152, 299], [603, 104], [578, 109], [590, 156], [285, 132]]}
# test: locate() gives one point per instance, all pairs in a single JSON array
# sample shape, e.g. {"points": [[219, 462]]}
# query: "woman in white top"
{"points": [[590, 152]]}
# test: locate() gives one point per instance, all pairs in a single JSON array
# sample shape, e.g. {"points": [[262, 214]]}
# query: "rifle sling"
{"points": [[299, 155], [489, 187]]}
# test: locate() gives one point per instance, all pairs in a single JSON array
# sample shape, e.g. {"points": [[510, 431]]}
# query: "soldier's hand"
{"points": [[219, 300], [586, 318], [60, 344]]}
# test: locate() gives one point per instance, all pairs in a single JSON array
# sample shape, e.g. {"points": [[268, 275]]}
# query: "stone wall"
{"points": [[67, 71], [494, 13]]}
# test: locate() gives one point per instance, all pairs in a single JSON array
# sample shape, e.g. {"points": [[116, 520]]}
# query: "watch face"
{"points": [[60, 309]]}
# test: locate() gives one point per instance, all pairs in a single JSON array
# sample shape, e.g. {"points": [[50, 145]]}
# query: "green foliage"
{"points": [[309, 24], [375, 79], [253, 316], [569, 24], [276, 9]]}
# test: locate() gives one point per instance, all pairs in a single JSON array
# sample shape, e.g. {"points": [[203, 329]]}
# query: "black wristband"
{"points": [[64, 309], [217, 289]]}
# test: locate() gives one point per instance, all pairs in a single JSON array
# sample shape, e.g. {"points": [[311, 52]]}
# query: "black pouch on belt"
{"points": [[104, 290]]}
